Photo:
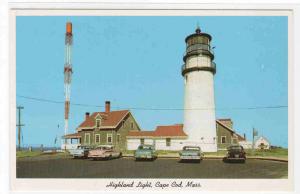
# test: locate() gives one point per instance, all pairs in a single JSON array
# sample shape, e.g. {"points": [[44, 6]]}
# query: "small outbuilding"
{"points": [[169, 137], [262, 143]]}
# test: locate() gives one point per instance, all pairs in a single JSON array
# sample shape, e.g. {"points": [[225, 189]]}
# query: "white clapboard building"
{"points": [[262, 143], [170, 137]]}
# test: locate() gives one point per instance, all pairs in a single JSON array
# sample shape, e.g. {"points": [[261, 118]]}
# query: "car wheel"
{"points": [[120, 155]]}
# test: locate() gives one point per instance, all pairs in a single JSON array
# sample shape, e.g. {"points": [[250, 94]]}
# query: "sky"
{"points": [[135, 62]]}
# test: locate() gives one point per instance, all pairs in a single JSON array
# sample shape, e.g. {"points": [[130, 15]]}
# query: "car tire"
{"points": [[120, 155]]}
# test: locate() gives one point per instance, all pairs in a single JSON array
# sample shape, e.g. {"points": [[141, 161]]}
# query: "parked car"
{"points": [[104, 152], [80, 152], [192, 153], [145, 152], [235, 153]]}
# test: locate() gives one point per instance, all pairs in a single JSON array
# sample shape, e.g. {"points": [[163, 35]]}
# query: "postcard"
{"points": [[151, 100]]}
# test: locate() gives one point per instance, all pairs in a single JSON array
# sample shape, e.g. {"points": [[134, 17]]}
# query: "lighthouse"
{"points": [[198, 72]]}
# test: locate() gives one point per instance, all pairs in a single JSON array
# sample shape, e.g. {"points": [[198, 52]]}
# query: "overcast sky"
{"points": [[135, 63]]}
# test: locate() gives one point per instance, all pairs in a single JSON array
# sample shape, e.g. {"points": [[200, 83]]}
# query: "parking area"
{"points": [[160, 168]]}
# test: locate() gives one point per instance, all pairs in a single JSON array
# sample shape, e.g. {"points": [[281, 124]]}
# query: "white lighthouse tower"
{"points": [[199, 103]]}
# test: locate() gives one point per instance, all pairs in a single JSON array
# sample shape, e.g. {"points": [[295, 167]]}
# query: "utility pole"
{"points": [[19, 125], [254, 133]]}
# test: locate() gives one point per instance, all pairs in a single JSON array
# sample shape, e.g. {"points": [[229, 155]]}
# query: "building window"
{"points": [[109, 138], [123, 123], [97, 138], [87, 138], [168, 142], [118, 138], [234, 140], [223, 139], [142, 141], [131, 125], [98, 123]]}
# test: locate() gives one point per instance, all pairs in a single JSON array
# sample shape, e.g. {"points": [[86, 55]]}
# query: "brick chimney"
{"points": [[87, 115], [107, 106], [227, 122]]}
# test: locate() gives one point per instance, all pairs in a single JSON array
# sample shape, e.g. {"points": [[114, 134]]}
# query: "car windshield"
{"points": [[235, 148], [104, 148], [191, 148], [143, 147]]}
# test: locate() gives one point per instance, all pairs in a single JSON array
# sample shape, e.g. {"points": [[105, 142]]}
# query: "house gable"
{"points": [[109, 120], [227, 133]]}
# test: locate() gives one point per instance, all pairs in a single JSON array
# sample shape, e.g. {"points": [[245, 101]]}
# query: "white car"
{"points": [[80, 152], [191, 153]]}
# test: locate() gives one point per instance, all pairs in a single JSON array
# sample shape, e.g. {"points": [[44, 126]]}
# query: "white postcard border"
{"points": [[99, 184]]}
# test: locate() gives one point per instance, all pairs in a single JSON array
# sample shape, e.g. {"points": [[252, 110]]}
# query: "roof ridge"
{"points": [[169, 125], [112, 111]]}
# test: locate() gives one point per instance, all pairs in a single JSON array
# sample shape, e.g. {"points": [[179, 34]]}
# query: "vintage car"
{"points": [[235, 153], [145, 152], [80, 152], [104, 152], [192, 153]]}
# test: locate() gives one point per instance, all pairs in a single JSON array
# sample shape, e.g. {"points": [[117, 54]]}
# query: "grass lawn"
{"points": [[278, 153], [21, 154]]}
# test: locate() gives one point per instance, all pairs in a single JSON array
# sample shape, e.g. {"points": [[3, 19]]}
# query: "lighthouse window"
{"points": [[202, 40], [186, 78]]}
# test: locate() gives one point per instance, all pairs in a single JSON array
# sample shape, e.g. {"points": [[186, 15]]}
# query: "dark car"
{"points": [[235, 153]]}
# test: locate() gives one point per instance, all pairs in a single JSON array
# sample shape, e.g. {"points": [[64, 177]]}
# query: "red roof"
{"points": [[141, 133], [109, 120], [161, 131], [170, 130]]}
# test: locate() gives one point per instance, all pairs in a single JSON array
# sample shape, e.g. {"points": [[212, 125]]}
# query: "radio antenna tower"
{"points": [[68, 72]]}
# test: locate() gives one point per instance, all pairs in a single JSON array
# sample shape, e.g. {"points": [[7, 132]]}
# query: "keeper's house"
{"points": [[104, 128]]}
